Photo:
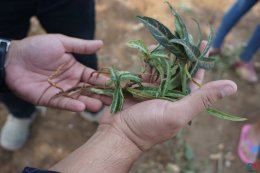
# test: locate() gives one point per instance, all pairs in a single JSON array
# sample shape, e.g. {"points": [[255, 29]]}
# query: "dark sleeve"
{"points": [[34, 170]]}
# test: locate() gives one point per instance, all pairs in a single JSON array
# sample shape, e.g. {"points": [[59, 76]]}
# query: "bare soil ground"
{"points": [[57, 133]]}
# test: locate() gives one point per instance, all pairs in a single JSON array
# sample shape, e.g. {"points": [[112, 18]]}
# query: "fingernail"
{"points": [[228, 90]]}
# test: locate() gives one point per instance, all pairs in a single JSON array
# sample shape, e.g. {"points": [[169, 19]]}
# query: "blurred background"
{"points": [[209, 145]]}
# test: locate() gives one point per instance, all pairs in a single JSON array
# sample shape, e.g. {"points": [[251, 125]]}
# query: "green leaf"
{"points": [[114, 77], [195, 68], [168, 74], [223, 115], [160, 30], [146, 93], [206, 63], [179, 24], [191, 39], [161, 33], [184, 79], [107, 92], [192, 52], [159, 53], [210, 40], [155, 62], [159, 66], [118, 101], [131, 77], [175, 81], [138, 44], [175, 94]]}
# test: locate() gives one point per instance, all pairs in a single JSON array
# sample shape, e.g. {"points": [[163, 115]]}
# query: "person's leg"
{"points": [[243, 66], [230, 19], [15, 20], [252, 46], [74, 18], [17, 107]]}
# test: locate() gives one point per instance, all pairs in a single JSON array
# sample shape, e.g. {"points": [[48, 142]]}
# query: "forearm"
{"points": [[106, 151]]}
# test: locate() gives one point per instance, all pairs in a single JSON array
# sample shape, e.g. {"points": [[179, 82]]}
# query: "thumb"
{"points": [[80, 46], [203, 98]]}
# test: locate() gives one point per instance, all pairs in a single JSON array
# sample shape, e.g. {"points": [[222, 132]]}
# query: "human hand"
{"points": [[32, 60], [122, 138], [154, 121]]}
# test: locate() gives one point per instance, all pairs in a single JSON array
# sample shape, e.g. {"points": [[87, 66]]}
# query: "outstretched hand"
{"points": [[124, 136], [151, 122], [32, 60]]}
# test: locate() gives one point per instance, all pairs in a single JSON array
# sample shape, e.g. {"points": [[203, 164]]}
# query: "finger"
{"points": [[147, 75], [91, 104], [83, 90], [191, 105], [104, 99], [152, 47], [80, 104], [94, 78], [150, 72], [199, 76], [80, 46], [107, 117], [67, 104], [150, 75], [203, 45]]}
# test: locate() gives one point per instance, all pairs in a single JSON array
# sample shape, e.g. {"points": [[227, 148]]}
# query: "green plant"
{"points": [[171, 64]]}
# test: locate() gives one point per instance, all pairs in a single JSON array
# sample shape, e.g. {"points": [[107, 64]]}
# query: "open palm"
{"points": [[31, 61]]}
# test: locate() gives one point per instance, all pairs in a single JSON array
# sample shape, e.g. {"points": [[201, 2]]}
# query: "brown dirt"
{"points": [[59, 132]]}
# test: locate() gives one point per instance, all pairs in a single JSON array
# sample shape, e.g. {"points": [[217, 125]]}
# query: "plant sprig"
{"points": [[175, 60]]}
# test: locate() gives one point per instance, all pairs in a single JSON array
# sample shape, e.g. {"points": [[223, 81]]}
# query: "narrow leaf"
{"points": [[206, 63], [223, 115], [107, 92], [161, 33], [138, 44], [159, 53], [118, 100], [184, 79], [179, 24], [175, 81], [192, 52]]}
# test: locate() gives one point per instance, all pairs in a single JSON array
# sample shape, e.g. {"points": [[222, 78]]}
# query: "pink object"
{"points": [[244, 139]]}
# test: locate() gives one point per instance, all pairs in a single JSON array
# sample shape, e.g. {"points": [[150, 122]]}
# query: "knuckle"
{"points": [[209, 99]]}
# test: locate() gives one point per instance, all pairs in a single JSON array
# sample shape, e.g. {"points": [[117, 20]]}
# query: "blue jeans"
{"points": [[74, 18], [234, 14]]}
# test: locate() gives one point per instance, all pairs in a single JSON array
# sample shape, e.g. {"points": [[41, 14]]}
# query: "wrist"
{"points": [[122, 148], [4, 47], [108, 150], [10, 61]]}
